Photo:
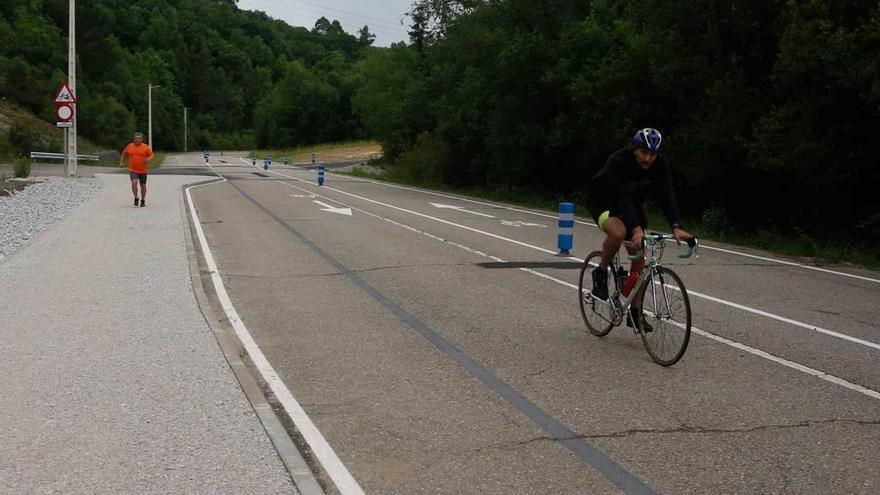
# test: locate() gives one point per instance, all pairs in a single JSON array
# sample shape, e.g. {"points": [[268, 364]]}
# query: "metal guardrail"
{"points": [[62, 156]]}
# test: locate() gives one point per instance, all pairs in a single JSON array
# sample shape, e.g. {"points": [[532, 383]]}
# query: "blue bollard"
{"points": [[565, 238], [266, 163], [254, 161], [286, 160], [321, 175]]}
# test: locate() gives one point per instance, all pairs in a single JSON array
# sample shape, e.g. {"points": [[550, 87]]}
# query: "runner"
{"points": [[139, 156]]}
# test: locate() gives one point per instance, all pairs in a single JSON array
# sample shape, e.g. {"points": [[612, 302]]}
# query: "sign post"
{"points": [[65, 114], [71, 78], [184, 128]]}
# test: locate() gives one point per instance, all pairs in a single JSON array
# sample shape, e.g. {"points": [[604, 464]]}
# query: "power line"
{"points": [[351, 17], [348, 12], [380, 30]]}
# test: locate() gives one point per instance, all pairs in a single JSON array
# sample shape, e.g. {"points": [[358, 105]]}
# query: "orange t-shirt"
{"points": [[137, 157]]}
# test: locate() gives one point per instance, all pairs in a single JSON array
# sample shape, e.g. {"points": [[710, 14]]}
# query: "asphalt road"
{"points": [[441, 350]]}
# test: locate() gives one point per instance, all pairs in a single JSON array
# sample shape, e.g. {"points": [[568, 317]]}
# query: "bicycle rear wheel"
{"points": [[597, 314], [667, 309]]}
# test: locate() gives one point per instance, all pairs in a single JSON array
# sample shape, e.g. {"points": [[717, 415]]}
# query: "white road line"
{"points": [[545, 215], [783, 319], [331, 463], [459, 208], [731, 304], [791, 364], [732, 343], [514, 241], [790, 263]]}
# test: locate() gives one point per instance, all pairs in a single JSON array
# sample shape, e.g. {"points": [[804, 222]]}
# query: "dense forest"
{"points": [[769, 108], [247, 78]]}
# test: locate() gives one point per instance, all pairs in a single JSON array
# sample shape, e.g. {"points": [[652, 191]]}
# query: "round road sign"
{"points": [[64, 113]]}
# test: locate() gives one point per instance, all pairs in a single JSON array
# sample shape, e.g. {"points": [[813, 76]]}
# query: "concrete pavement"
{"points": [[112, 380]]}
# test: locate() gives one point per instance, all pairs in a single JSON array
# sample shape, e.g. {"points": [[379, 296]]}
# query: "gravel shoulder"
{"points": [[113, 380], [30, 210]]}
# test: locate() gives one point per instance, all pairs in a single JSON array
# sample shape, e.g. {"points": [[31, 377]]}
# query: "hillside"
{"points": [[22, 132], [247, 79]]}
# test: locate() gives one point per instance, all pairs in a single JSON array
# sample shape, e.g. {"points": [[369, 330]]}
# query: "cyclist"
{"points": [[630, 176]]}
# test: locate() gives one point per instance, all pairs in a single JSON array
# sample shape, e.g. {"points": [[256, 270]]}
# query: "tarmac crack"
{"points": [[685, 429], [539, 372], [825, 312], [415, 265]]}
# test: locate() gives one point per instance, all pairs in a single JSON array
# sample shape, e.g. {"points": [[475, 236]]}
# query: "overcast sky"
{"points": [[383, 16]]}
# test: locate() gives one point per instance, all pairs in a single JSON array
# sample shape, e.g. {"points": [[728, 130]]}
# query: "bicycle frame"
{"points": [[620, 308]]}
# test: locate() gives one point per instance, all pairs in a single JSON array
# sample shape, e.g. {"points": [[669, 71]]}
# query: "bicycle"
{"points": [[666, 307]]}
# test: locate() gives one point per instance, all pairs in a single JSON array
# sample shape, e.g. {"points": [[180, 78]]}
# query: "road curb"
{"points": [[296, 465]]}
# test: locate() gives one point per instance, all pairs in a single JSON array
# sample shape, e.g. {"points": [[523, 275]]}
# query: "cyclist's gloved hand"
{"points": [[681, 235]]}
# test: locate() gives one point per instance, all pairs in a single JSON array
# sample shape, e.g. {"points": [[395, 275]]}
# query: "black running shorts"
{"points": [[142, 178]]}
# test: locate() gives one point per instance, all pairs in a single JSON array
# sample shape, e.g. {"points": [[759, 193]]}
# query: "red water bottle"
{"points": [[630, 282]]}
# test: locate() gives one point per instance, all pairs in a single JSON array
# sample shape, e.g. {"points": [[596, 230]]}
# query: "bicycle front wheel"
{"points": [[597, 314], [667, 309]]}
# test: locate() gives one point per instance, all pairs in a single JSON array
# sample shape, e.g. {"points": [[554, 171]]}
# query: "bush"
{"points": [[24, 138], [870, 227], [426, 163], [715, 220], [22, 168]]}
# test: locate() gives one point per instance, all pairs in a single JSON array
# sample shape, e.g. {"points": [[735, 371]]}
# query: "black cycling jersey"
{"points": [[623, 186]]}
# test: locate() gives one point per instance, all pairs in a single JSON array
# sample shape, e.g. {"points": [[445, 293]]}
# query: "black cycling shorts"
{"points": [[142, 178], [597, 209]]}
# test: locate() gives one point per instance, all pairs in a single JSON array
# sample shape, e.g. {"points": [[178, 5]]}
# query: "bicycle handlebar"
{"points": [[692, 244]]}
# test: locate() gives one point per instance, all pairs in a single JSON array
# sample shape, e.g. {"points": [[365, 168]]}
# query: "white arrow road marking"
{"points": [[331, 209], [310, 196], [459, 208], [517, 223]]}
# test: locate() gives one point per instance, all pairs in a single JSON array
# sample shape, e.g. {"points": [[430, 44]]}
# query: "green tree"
{"points": [[383, 102], [365, 37], [296, 109]]}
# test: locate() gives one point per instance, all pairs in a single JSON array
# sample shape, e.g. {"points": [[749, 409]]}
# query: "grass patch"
{"points": [[22, 168], [158, 160], [22, 132], [325, 153], [712, 227]]}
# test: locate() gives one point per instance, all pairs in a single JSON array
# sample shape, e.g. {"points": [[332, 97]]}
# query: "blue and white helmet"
{"points": [[648, 139]]}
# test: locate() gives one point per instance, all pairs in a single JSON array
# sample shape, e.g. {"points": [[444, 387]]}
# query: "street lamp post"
{"points": [[149, 112], [184, 128], [71, 81]]}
